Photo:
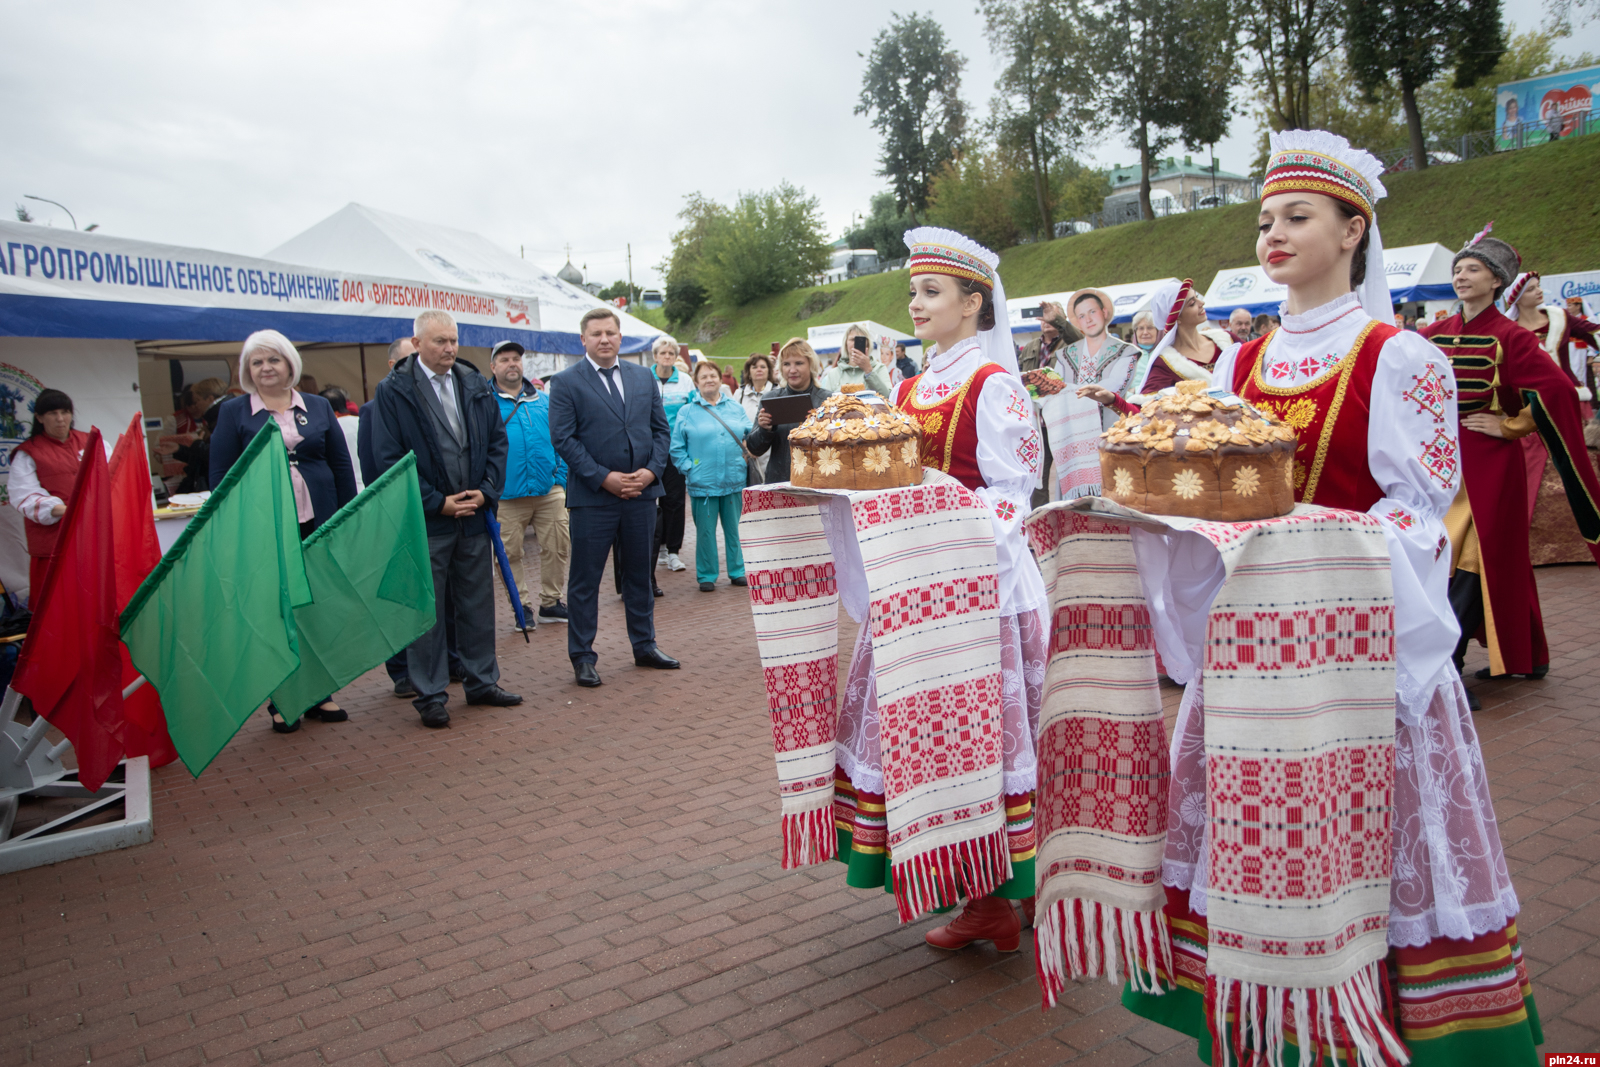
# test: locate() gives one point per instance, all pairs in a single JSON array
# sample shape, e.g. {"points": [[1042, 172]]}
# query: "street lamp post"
{"points": [[57, 203]]}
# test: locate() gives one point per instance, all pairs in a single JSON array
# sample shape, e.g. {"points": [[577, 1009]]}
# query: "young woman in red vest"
{"points": [[1374, 411], [977, 426], [43, 469]]}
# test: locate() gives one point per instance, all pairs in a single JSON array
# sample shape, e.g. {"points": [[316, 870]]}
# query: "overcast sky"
{"points": [[235, 126]]}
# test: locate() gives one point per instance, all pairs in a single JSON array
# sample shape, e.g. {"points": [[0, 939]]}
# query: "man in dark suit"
{"points": [[443, 411], [607, 421]]}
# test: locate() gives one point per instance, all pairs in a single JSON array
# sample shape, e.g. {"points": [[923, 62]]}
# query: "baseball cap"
{"points": [[496, 350]]}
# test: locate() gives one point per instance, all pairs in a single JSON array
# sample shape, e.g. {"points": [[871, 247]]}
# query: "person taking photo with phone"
{"points": [[855, 366]]}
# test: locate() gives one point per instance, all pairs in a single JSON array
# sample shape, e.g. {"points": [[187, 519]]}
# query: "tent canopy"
{"points": [[825, 339], [1129, 299], [63, 283], [1414, 273], [363, 239]]}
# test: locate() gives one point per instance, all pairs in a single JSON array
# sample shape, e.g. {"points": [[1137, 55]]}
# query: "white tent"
{"points": [[825, 339], [1128, 299], [367, 241], [1415, 273]]}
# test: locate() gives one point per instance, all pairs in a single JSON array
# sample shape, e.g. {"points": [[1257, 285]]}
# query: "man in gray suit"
{"points": [[607, 421], [442, 410]]}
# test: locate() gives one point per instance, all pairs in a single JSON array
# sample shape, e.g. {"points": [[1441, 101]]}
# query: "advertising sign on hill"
{"points": [[1543, 109]]}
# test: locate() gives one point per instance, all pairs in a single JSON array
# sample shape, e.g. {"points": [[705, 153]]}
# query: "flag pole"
{"points": [[133, 687], [505, 574]]}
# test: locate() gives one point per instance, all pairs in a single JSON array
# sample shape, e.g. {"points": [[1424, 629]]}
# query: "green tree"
{"points": [[975, 195], [1290, 38], [1413, 41], [911, 95], [1079, 190], [1044, 104], [620, 288], [883, 229], [1164, 69], [683, 300], [684, 265], [768, 242]]}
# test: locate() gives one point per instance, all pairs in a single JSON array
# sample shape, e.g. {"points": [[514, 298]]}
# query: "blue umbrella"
{"points": [[505, 573]]}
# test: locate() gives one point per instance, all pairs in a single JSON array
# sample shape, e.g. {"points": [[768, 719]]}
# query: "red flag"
{"points": [[133, 524], [70, 666]]}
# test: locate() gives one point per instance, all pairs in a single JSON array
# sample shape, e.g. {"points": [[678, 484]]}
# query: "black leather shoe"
{"points": [[495, 697], [655, 658], [434, 716], [1472, 701], [655, 587], [741, 580], [1538, 672], [708, 587], [404, 688], [585, 674], [279, 724]]}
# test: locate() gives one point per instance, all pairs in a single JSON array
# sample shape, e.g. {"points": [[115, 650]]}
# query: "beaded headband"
{"points": [[947, 252], [1303, 170]]}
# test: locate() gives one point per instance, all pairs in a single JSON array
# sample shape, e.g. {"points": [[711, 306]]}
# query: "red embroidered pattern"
{"points": [[791, 584], [1050, 529], [1105, 775], [1270, 845], [917, 500], [803, 699], [1005, 510], [1299, 640], [938, 734], [1400, 518], [1439, 459], [1430, 393], [770, 499], [1017, 408], [934, 601], [1028, 451], [1101, 628]]}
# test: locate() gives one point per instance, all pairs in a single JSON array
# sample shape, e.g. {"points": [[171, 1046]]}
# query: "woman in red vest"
{"points": [[43, 469]]}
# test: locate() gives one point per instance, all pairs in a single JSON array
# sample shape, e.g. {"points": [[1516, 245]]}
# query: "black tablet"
{"points": [[787, 409]]}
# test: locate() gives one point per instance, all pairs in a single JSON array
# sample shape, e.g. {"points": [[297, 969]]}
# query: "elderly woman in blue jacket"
{"points": [[706, 447]]}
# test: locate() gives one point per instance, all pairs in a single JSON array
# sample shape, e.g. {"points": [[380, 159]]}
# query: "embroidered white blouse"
{"points": [[1413, 453], [27, 495], [1009, 454]]}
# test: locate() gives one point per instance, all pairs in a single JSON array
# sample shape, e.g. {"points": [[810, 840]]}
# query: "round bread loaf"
{"points": [[855, 440], [1187, 453]]}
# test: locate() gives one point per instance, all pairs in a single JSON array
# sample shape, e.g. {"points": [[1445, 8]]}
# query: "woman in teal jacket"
{"points": [[707, 452]]}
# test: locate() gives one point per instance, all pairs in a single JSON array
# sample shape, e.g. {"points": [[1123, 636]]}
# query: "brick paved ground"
{"points": [[593, 879]]}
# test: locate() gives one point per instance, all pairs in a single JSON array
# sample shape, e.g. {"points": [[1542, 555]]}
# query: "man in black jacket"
{"points": [[444, 411]]}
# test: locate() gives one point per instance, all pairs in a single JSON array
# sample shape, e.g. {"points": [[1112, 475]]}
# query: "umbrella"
{"points": [[505, 574]]}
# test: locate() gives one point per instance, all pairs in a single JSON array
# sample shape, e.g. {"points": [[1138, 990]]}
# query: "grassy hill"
{"points": [[1537, 198]]}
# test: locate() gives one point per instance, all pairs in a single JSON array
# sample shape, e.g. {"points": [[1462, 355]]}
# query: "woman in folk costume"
{"points": [[1509, 387], [1183, 353], [975, 417], [1374, 410], [1556, 330]]}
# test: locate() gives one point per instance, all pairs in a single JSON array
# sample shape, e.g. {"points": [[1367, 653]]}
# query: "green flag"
{"points": [[372, 585], [212, 627]]}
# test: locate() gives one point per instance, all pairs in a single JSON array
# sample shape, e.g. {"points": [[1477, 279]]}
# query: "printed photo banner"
{"points": [[64, 283]]}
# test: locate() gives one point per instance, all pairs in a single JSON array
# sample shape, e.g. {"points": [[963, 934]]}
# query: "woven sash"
{"points": [[1073, 423], [932, 584], [1299, 741]]}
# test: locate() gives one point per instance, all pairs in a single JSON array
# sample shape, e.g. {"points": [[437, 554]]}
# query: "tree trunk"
{"points": [[1039, 189], [1145, 210], [1419, 149]]}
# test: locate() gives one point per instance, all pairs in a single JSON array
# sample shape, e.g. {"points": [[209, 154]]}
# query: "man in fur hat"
{"points": [[1507, 388]]}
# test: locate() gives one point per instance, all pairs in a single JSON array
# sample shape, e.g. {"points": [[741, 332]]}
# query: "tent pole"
{"points": [[365, 396]]}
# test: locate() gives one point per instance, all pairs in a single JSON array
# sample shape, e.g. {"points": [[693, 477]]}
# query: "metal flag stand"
{"points": [[28, 768]]}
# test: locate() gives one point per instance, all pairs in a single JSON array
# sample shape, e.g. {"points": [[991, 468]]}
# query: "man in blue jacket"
{"points": [[536, 480], [443, 411]]}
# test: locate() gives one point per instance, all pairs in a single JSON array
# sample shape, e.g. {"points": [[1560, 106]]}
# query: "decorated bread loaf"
{"points": [[855, 440], [1191, 454]]}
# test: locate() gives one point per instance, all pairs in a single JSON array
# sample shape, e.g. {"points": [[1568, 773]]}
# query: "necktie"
{"points": [[611, 385], [441, 382]]}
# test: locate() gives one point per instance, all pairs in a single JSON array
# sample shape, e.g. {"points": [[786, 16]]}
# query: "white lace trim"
{"points": [[1462, 924]]}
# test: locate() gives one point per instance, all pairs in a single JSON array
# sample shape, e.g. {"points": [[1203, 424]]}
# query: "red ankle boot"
{"points": [[1028, 904], [983, 919]]}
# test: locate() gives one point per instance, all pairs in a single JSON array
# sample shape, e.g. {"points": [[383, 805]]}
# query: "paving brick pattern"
{"points": [[593, 879]]}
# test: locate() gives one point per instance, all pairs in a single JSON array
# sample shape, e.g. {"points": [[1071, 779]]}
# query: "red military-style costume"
{"points": [[1500, 368]]}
